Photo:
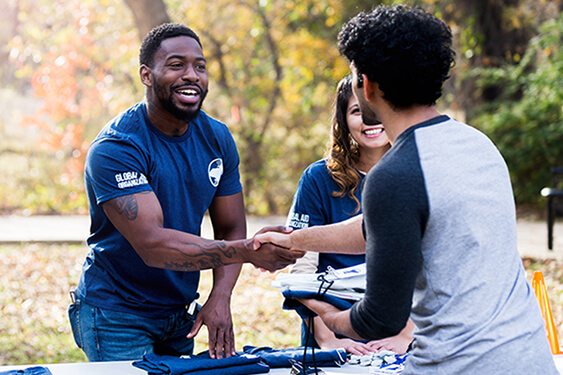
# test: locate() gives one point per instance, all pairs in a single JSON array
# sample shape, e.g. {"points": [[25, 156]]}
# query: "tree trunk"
{"points": [[147, 14]]}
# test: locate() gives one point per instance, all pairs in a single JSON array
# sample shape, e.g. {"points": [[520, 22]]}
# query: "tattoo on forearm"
{"points": [[127, 205], [210, 256]]}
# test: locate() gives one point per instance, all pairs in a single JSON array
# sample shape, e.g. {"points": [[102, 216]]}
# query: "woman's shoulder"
{"points": [[317, 168], [318, 174]]}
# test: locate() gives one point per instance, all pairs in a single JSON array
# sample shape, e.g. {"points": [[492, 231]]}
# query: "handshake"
{"points": [[270, 249]]}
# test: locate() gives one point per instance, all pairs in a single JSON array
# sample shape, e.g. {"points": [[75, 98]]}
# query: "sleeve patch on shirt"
{"points": [[215, 171], [129, 179]]}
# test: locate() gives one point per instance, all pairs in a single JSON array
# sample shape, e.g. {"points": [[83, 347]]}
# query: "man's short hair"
{"points": [[407, 51], [154, 38]]}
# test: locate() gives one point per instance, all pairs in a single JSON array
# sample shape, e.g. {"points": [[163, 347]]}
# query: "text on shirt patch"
{"points": [[128, 179], [298, 220]]}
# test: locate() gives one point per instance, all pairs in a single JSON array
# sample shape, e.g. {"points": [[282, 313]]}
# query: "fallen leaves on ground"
{"points": [[36, 278]]}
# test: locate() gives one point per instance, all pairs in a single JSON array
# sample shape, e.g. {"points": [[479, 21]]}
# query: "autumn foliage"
{"points": [[273, 67]]}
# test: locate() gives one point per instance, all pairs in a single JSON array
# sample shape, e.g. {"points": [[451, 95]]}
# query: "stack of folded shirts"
{"points": [[341, 288], [202, 364], [347, 283]]}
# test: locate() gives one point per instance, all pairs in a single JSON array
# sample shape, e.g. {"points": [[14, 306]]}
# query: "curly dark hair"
{"points": [[154, 38], [407, 51], [344, 153]]}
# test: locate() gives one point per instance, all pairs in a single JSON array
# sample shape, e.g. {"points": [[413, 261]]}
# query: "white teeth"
{"points": [[188, 92], [373, 131]]}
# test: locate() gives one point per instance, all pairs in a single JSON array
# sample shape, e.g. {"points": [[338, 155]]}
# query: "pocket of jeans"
{"points": [[74, 318]]}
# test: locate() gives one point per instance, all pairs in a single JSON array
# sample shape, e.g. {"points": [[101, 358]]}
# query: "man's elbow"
{"points": [[149, 253], [150, 258]]}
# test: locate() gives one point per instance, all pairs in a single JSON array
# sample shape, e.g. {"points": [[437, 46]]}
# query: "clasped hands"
{"points": [[271, 249], [280, 237]]}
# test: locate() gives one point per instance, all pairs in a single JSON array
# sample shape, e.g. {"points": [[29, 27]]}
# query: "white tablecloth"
{"points": [[125, 368]]}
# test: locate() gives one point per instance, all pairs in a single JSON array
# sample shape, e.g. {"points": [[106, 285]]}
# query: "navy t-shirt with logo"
{"points": [[130, 156], [313, 204]]}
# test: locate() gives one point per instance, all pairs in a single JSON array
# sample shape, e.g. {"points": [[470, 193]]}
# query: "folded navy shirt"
{"points": [[156, 364], [281, 357], [253, 360], [37, 370]]}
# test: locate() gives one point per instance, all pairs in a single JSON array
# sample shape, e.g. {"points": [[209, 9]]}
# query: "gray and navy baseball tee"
{"points": [[440, 227]]}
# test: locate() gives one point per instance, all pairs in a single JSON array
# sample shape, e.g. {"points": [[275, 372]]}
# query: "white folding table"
{"points": [[126, 368]]}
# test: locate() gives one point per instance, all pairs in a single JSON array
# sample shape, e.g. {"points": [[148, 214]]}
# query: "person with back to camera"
{"points": [[329, 191], [151, 174], [438, 216]]}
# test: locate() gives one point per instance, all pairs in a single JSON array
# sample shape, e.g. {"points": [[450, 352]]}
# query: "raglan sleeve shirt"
{"points": [[395, 209]]}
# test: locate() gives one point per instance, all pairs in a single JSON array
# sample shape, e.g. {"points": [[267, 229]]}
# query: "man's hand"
{"points": [[398, 344], [351, 346], [270, 256], [278, 238], [216, 315], [328, 340]]}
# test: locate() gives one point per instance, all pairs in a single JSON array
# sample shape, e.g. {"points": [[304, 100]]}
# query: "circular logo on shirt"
{"points": [[215, 170]]}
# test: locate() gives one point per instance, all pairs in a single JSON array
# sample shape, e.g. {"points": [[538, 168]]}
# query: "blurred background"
{"points": [[68, 66]]}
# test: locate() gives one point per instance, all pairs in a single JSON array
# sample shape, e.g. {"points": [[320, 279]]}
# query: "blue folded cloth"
{"points": [[281, 357], [202, 364], [37, 370], [291, 304]]}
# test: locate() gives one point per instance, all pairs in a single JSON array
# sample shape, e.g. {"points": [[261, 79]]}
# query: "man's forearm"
{"points": [[183, 252], [344, 237], [339, 322], [225, 278], [336, 320]]}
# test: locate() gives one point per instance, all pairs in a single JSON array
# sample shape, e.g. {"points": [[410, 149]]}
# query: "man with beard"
{"points": [[151, 174]]}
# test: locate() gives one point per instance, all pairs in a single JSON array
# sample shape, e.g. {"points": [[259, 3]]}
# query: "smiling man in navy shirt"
{"points": [[151, 174]]}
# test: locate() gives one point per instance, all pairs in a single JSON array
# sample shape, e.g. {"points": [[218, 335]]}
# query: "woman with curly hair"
{"points": [[329, 191]]}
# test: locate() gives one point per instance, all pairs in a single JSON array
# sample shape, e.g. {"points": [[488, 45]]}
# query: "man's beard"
{"points": [[184, 114]]}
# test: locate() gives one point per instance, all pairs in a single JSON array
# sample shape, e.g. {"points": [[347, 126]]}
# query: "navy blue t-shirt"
{"points": [[130, 156], [313, 204]]}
